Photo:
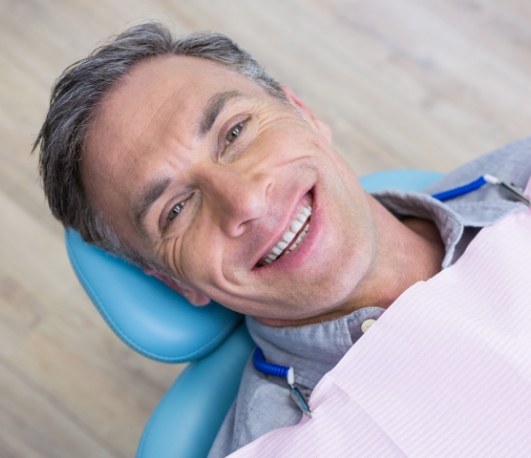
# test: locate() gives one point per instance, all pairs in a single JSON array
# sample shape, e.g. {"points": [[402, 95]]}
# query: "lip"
{"points": [[297, 256]]}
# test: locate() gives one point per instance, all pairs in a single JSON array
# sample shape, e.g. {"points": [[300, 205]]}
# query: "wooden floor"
{"points": [[410, 83]]}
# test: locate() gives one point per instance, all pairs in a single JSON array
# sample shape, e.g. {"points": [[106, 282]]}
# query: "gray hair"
{"points": [[81, 88]]}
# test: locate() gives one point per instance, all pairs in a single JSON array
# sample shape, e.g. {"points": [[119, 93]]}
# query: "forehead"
{"points": [[162, 86], [158, 93], [159, 96]]}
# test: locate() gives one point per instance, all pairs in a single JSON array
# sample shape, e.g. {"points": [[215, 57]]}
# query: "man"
{"points": [[187, 159]]}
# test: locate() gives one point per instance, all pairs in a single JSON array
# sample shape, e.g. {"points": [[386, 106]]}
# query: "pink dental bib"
{"points": [[446, 371]]}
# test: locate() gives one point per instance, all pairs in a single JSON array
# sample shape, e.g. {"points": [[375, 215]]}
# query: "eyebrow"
{"points": [[155, 189], [214, 107]]}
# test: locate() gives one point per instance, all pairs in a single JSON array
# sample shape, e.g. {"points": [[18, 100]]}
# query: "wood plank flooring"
{"points": [[414, 83]]}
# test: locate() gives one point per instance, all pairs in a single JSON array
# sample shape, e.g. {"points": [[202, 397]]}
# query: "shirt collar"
{"points": [[413, 204], [452, 218], [312, 350]]}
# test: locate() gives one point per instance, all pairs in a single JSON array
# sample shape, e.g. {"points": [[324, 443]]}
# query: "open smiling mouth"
{"points": [[294, 235]]}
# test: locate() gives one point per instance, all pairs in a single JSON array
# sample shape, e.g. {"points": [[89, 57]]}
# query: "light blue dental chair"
{"points": [[158, 323]]}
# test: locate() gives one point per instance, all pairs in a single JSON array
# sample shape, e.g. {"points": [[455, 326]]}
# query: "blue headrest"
{"points": [[147, 315]]}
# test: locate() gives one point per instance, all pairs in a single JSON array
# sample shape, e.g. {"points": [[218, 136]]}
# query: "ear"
{"points": [[320, 126], [194, 297]]}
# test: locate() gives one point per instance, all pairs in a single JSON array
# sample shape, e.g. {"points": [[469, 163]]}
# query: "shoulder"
{"points": [[262, 405]]}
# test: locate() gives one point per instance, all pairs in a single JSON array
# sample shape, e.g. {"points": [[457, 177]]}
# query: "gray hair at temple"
{"points": [[81, 88]]}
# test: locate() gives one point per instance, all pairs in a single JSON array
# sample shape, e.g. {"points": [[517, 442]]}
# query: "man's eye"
{"points": [[235, 132], [174, 212]]}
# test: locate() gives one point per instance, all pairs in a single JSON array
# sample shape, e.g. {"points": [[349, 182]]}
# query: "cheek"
{"points": [[197, 255], [284, 139], [168, 253], [343, 170]]}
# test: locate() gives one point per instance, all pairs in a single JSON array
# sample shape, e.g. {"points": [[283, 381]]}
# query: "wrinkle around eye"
{"points": [[169, 252], [168, 216], [167, 227]]}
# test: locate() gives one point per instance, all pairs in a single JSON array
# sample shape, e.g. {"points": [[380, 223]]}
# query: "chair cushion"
{"points": [[147, 315]]}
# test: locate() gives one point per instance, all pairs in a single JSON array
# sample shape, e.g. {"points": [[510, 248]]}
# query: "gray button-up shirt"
{"points": [[263, 402]]}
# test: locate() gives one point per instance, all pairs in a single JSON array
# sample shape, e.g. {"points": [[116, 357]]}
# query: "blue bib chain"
{"points": [[285, 372], [478, 183]]}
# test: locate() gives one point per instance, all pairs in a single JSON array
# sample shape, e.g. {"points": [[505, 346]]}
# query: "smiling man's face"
{"points": [[235, 193]]}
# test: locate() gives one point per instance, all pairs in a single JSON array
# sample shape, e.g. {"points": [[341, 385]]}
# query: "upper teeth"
{"points": [[287, 239]]}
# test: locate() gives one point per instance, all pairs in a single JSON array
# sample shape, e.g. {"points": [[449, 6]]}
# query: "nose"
{"points": [[237, 198]]}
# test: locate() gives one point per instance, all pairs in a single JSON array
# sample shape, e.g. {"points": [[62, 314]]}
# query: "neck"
{"points": [[409, 251]]}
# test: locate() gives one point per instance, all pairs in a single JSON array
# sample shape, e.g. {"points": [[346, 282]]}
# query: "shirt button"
{"points": [[367, 324]]}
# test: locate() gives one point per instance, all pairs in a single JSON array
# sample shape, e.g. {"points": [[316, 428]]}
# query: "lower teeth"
{"points": [[299, 239]]}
